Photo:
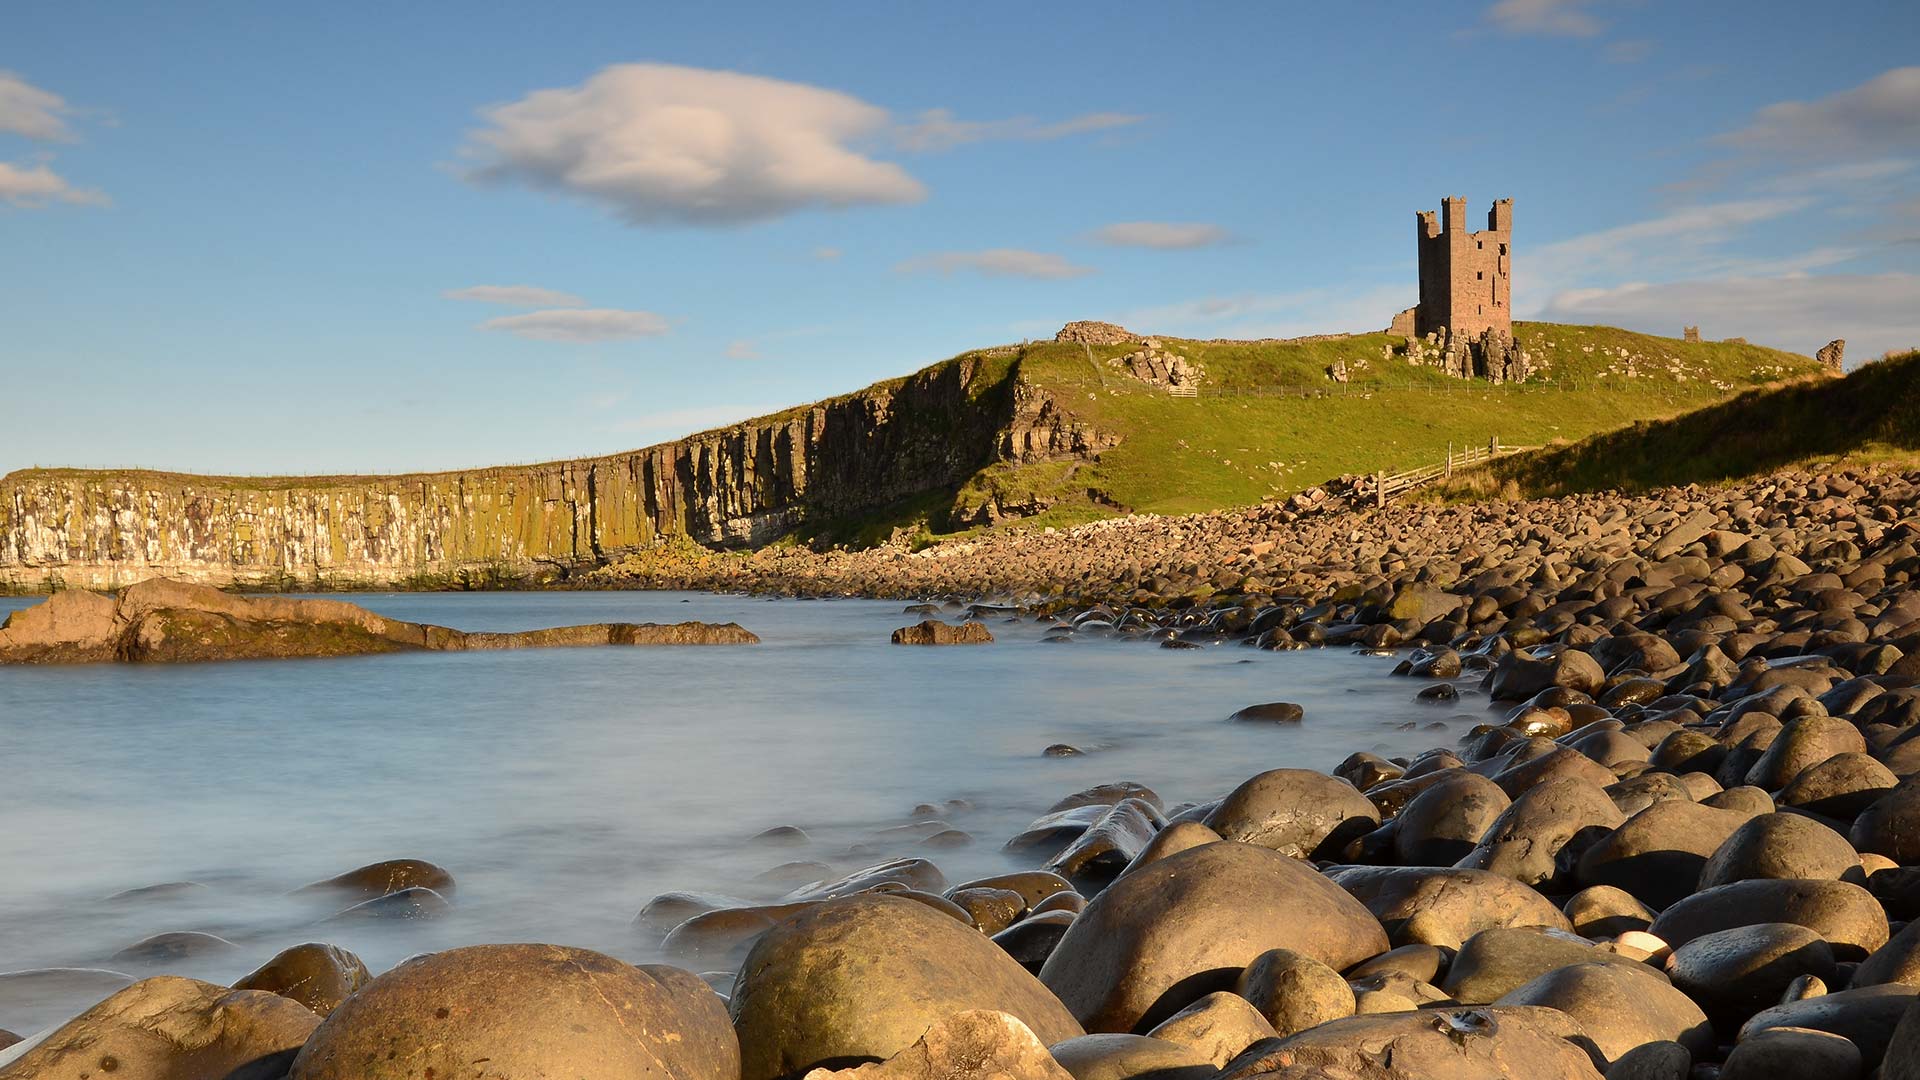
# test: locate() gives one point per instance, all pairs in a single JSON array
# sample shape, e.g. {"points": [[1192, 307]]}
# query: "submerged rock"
{"points": [[162, 621]]}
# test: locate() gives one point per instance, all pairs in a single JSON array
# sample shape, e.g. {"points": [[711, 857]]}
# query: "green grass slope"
{"points": [[1872, 414], [1251, 434]]}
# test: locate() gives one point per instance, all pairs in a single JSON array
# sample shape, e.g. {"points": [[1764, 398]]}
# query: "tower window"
{"points": [[1479, 275]]}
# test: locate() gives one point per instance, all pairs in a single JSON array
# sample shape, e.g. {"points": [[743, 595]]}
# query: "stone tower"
{"points": [[1466, 278]]}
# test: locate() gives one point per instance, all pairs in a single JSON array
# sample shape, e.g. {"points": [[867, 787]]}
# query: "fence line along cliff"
{"points": [[740, 486]]}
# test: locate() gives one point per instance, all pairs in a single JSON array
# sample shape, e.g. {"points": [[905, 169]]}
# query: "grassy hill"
{"points": [[1269, 421], [1872, 414]]}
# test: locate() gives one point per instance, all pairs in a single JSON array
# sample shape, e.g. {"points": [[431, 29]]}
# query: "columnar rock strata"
{"points": [[739, 486]]}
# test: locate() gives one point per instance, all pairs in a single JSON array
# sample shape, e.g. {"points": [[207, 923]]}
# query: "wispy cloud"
{"points": [[1627, 52], [1874, 312], [673, 423], [580, 325], [1688, 242], [827, 254], [34, 186], [1283, 314], [742, 349], [1544, 18], [995, 262], [26, 109], [1878, 117], [663, 143], [938, 129], [516, 296], [1164, 235]]}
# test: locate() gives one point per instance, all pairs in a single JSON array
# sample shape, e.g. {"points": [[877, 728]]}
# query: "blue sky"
{"points": [[261, 238]]}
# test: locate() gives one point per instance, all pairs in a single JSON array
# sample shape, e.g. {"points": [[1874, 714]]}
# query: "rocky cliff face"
{"points": [[737, 487]]}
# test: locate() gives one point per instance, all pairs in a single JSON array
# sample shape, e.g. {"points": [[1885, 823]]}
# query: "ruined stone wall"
{"points": [[735, 487], [1466, 278]]}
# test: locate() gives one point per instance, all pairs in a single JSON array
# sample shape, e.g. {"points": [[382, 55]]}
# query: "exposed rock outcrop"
{"points": [[171, 622], [1832, 356], [737, 487], [1089, 332]]}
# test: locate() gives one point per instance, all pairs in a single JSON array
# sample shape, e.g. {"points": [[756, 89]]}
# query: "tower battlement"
{"points": [[1466, 278]]}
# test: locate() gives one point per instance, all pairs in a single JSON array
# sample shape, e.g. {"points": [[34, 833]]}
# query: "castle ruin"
{"points": [[1466, 293]]}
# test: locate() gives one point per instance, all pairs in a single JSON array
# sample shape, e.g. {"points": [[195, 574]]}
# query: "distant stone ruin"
{"points": [[1153, 364], [1089, 332], [1832, 356], [1690, 335], [1463, 323]]}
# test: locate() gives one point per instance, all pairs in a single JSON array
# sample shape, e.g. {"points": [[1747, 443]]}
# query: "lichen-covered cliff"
{"points": [[736, 487]]}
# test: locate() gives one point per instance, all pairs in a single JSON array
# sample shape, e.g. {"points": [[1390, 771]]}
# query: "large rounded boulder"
{"points": [[169, 1028], [1297, 812], [863, 977], [1165, 935], [1445, 907], [1846, 916], [1659, 853], [1779, 845], [1431, 1044], [525, 1010], [1619, 1008], [1524, 842]]}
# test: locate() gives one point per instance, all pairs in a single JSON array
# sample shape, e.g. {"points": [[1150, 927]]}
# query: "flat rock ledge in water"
{"points": [[162, 621]]}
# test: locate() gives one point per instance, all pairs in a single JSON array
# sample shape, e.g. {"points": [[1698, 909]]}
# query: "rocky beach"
{"points": [[1680, 845]]}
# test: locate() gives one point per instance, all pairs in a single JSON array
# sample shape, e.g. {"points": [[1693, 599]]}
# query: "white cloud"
{"points": [[742, 350], [938, 129], [580, 325], [1165, 235], [827, 254], [38, 185], [1548, 18], [516, 296], [1684, 243], [995, 262], [27, 110], [662, 143], [1876, 117], [1874, 312]]}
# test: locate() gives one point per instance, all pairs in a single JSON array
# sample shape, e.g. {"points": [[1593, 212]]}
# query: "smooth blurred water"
{"points": [[565, 787]]}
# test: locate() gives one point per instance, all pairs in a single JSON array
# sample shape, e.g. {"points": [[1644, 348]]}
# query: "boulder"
{"points": [[1272, 712], [978, 1044], [1166, 935], [315, 975], [525, 1010], [1866, 1017], [1517, 676], [1779, 845], [935, 632], [1733, 974], [1218, 1027], [1444, 907], [1840, 787], [1659, 853], [1804, 742], [169, 1028], [1846, 915], [1441, 825], [1619, 1009], [1525, 841], [1605, 912], [1498, 961], [1891, 825], [1131, 1057], [865, 977], [1294, 992], [384, 878], [1785, 1051], [1432, 1044], [1297, 812]]}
